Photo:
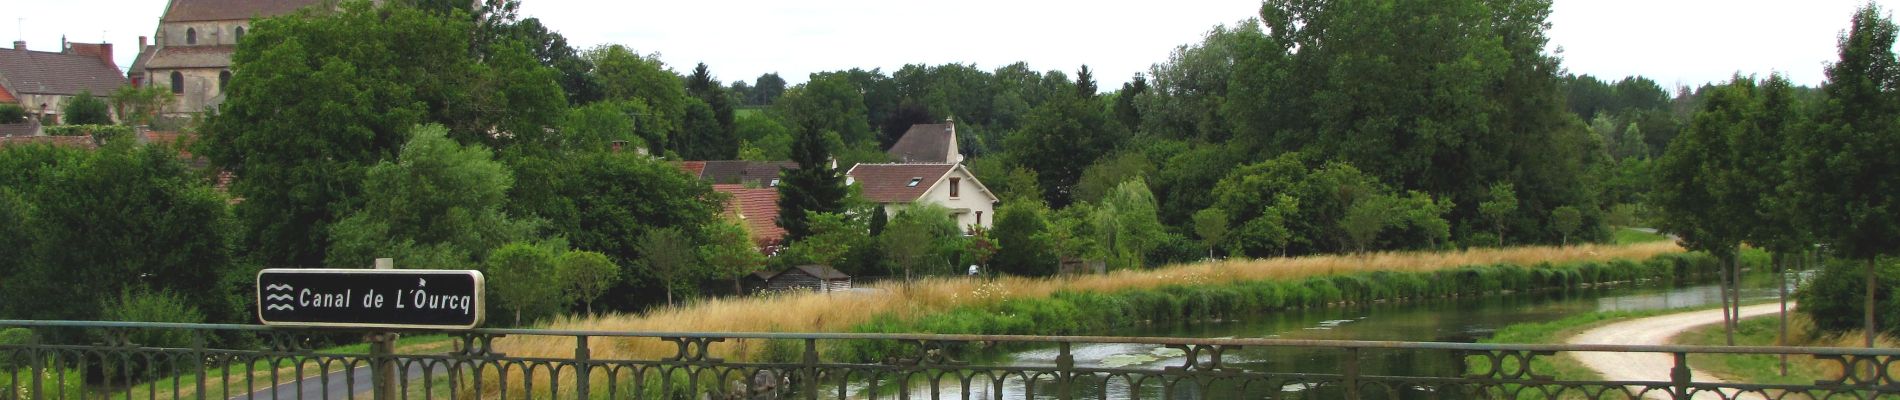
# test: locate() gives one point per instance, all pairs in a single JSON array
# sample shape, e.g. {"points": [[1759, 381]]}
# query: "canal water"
{"points": [[1453, 320]]}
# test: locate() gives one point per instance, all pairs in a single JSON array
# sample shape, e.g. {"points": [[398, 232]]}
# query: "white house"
{"points": [[895, 186]]}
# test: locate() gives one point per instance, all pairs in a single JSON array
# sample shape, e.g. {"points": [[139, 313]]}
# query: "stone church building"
{"points": [[190, 53]]}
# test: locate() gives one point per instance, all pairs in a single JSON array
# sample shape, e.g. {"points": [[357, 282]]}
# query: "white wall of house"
{"points": [[972, 205]]}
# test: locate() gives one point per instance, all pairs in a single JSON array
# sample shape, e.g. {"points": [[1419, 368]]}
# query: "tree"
{"points": [[438, 205], [1566, 219], [815, 187], [595, 127], [766, 89], [1128, 225], [12, 113], [1499, 207], [731, 254], [833, 236], [922, 238], [1697, 181], [1103, 176], [1125, 110], [136, 105], [323, 97], [1060, 139], [668, 258], [1085, 83], [523, 279], [587, 275], [1365, 218], [829, 103], [1020, 230], [84, 109], [1211, 224], [657, 95], [1847, 183], [81, 226]]}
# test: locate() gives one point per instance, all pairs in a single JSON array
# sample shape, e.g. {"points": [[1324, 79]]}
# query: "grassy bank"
{"points": [[841, 312], [1761, 368], [1169, 294]]}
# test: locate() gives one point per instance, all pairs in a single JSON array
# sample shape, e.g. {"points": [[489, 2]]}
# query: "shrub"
{"points": [[1836, 296]]}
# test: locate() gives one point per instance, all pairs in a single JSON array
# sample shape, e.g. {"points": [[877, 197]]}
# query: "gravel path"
{"points": [[1657, 330]]}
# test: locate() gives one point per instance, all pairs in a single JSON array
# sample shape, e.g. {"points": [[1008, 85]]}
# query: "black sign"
{"points": [[378, 298]]}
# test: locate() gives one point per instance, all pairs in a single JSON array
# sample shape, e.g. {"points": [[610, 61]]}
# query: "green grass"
{"points": [[1633, 236], [1752, 368], [233, 376]]}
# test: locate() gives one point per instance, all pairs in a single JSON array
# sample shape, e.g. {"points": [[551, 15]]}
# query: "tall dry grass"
{"points": [[816, 312]]}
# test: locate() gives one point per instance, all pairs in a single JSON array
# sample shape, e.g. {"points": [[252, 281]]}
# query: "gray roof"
{"points": [[924, 143], [39, 72], [224, 10], [744, 172], [191, 57], [28, 128]]}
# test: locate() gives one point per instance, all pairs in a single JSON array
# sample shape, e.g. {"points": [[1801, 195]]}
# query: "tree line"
{"points": [[455, 136]]}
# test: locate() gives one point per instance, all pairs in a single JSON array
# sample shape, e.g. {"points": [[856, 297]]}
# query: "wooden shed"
{"points": [[817, 278]]}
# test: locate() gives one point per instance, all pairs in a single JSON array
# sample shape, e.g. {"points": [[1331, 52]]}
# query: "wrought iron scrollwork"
{"points": [[1508, 365], [1862, 370], [693, 349], [476, 345], [1194, 353], [928, 353]]}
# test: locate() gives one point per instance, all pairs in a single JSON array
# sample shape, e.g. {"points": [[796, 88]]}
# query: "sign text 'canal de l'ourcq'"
{"points": [[370, 298]]}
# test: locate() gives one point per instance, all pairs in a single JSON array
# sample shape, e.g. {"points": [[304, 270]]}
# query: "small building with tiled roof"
{"points": [[190, 52], [41, 81], [757, 208], [928, 143], [737, 172], [896, 186]]}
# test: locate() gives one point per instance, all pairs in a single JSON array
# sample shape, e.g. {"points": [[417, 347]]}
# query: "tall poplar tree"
{"points": [[815, 187]]}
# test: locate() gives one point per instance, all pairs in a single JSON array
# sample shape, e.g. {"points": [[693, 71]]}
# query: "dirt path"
{"points": [[1655, 330]]}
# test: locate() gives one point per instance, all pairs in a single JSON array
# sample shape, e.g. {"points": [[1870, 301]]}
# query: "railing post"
{"points": [[382, 349], [583, 367], [1679, 375], [808, 382], [39, 370], [1065, 373], [1352, 372]]}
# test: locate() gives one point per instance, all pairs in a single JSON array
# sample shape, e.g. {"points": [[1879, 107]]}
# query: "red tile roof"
{"points": [[221, 10], [692, 168], [40, 72], [891, 183], [758, 207], [7, 97]]}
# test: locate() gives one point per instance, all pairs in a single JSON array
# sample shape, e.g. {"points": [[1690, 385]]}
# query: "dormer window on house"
{"points": [[914, 181], [954, 186], [191, 36], [774, 182]]}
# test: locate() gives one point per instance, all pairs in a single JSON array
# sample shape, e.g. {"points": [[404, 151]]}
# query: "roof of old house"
{"points": [[191, 57], [758, 207], [7, 97], [739, 171], [40, 72], [221, 10], [692, 167], [820, 271], [897, 183], [925, 143]]}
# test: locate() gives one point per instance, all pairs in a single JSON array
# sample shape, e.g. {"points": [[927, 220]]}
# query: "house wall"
{"points": [[969, 197], [56, 104], [210, 33], [201, 93]]}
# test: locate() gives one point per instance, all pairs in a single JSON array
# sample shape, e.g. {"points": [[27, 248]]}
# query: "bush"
{"points": [[1836, 296], [12, 114]]}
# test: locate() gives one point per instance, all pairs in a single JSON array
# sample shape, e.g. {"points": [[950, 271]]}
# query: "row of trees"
{"points": [[1759, 165]]}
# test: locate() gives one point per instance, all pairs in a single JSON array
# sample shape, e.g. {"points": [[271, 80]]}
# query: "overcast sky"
{"points": [[1671, 41]]}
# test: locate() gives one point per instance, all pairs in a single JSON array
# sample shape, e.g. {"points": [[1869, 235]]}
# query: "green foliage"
{"points": [[1061, 138], [594, 127], [142, 306], [1127, 225], [1847, 184], [523, 278], [1021, 229], [84, 109], [587, 275], [437, 206], [1566, 219], [144, 222], [1102, 177], [659, 95], [923, 240], [730, 252], [767, 134], [12, 113], [323, 97], [101, 134], [833, 236], [667, 258], [1499, 206], [815, 187], [1212, 226], [137, 106], [1834, 298], [828, 104]]}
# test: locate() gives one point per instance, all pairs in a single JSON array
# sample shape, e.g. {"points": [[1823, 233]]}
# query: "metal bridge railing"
{"points": [[124, 360]]}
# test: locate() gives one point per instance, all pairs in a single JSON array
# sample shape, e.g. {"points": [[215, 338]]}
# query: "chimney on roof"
{"points": [[141, 44], [19, 45]]}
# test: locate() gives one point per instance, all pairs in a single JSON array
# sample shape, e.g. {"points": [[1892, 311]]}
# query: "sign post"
{"points": [[384, 297]]}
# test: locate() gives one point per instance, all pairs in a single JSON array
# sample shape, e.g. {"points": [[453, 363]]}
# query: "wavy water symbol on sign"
{"points": [[276, 297]]}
